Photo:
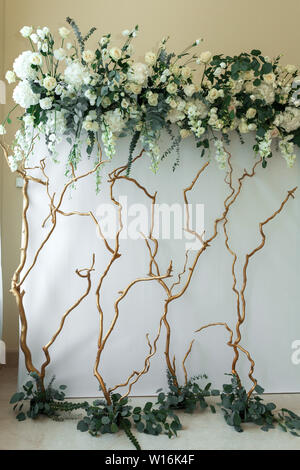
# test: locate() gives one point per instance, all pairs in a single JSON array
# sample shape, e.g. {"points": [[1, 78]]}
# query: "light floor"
{"points": [[202, 430]]}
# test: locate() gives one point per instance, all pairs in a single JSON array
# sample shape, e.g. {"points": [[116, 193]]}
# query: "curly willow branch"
{"points": [[103, 338], [241, 293], [83, 273], [18, 279]]}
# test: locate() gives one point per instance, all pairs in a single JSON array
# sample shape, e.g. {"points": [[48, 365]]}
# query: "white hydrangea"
{"points": [[174, 116], [24, 96], [138, 73], [76, 75], [289, 119], [22, 66], [114, 120], [265, 92]]}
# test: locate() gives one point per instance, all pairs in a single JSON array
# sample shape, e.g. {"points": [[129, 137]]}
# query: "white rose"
{"points": [[248, 75], [136, 89], [184, 133], [150, 58], [218, 72], [252, 127], [26, 31], [64, 32], [49, 83], [186, 72], [115, 53], [105, 102], [87, 125], [88, 56], [152, 99], [291, 68], [126, 32], [59, 90], [243, 126], [172, 88], [189, 90], [172, 103], [269, 78], [251, 112], [10, 76], [36, 59], [213, 94], [174, 116], [59, 54], [46, 103], [205, 57]]}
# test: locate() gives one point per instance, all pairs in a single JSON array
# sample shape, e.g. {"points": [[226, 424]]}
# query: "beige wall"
{"points": [[228, 26]]}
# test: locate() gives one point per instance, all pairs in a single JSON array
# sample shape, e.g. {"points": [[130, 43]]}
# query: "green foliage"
{"points": [[289, 421], [81, 39], [132, 146], [239, 409], [175, 141], [130, 436], [186, 397], [41, 401], [102, 418]]}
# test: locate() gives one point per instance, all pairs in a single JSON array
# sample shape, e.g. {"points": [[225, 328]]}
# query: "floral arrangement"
{"points": [[102, 94]]}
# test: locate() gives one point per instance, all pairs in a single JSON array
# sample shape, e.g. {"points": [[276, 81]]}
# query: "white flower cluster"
{"points": [[289, 119], [105, 91], [287, 149], [22, 144], [90, 123], [264, 146], [24, 96], [221, 155]]}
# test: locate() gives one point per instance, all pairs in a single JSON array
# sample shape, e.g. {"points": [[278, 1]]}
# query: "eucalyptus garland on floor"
{"points": [[160, 417], [89, 95]]}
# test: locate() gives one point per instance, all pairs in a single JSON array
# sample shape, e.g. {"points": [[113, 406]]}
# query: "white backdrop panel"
{"points": [[273, 300]]}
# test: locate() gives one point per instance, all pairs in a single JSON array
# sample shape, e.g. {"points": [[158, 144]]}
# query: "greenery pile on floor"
{"points": [[159, 417]]}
